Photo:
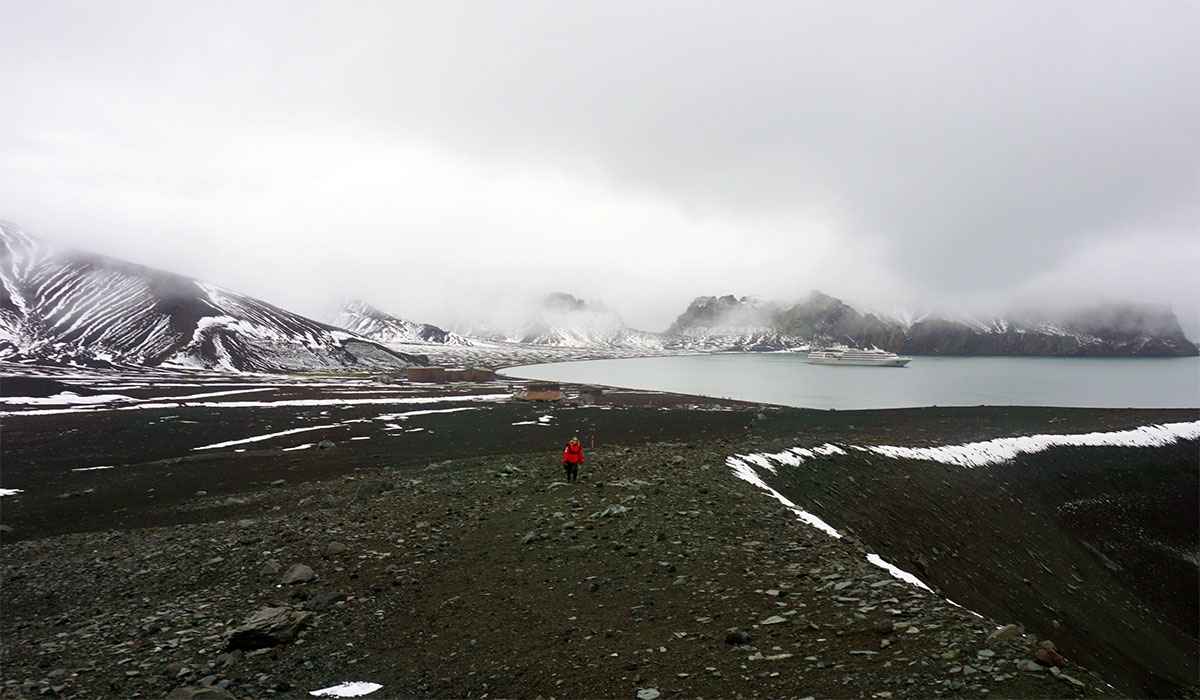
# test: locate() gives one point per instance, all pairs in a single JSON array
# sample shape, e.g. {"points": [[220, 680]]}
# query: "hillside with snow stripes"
{"points": [[66, 307]]}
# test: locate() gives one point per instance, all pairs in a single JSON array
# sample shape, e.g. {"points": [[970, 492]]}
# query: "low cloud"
{"points": [[973, 156]]}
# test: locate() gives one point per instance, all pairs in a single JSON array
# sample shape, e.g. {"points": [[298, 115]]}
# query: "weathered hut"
{"points": [[432, 374], [480, 374], [540, 391], [590, 395], [456, 375]]}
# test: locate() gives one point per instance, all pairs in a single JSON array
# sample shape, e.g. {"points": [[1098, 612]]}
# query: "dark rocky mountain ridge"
{"points": [[1115, 329]]}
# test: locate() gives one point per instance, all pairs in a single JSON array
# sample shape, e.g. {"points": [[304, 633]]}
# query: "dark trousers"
{"points": [[572, 470]]}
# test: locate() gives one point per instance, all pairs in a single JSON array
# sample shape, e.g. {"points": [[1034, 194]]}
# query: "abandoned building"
{"points": [[480, 374], [590, 395], [539, 391], [438, 375], [433, 374]]}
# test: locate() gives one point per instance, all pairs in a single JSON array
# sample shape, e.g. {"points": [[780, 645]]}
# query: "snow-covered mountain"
{"points": [[74, 308], [363, 319], [1116, 329], [1110, 329], [728, 323], [68, 307], [561, 320]]}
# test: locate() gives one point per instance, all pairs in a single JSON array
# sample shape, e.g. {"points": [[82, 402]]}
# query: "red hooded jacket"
{"points": [[573, 454]]}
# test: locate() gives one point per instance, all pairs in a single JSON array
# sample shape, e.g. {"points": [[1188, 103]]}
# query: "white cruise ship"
{"points": [[842, 355]]}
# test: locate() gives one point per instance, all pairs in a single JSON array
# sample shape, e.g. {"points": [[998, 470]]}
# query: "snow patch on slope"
{"points": [[982, 454], [976, 454]]}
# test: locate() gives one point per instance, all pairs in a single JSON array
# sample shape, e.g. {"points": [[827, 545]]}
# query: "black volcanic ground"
{"points": [[469, 570]]}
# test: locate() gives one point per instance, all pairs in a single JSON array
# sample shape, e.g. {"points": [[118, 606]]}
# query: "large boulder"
{"points": [[298, 573], [269, 627]]}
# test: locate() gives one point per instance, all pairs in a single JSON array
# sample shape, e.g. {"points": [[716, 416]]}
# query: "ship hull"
{"points": [[857, 359]]}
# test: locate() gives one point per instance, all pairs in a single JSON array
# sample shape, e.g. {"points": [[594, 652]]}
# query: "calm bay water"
{"points": [[787, 379]]}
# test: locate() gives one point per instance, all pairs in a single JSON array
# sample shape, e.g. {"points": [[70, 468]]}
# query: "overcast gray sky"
{"points": [[418, 155]]}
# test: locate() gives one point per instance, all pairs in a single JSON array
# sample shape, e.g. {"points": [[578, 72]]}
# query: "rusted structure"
{"points": [[539, 391], [456, 375], [590, 395], [480, 374], [433, 374]]}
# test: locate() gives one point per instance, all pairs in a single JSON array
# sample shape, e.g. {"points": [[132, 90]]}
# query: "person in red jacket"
{"points": [[572, 458]]}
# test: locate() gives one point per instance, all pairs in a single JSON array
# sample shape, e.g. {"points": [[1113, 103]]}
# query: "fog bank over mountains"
{"points": [[729, 323], [67, 307], [758, 323]]}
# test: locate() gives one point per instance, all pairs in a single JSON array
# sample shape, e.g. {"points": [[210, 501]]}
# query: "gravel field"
{"points": [[271, 542]]}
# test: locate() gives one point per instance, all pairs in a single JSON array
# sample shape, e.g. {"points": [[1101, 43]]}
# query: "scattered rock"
{"points": [[197, 692], [298, 573], [677, 524], [613, 511], [1049, 657], [1006, 632], [323, 601], [371, 488]]}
